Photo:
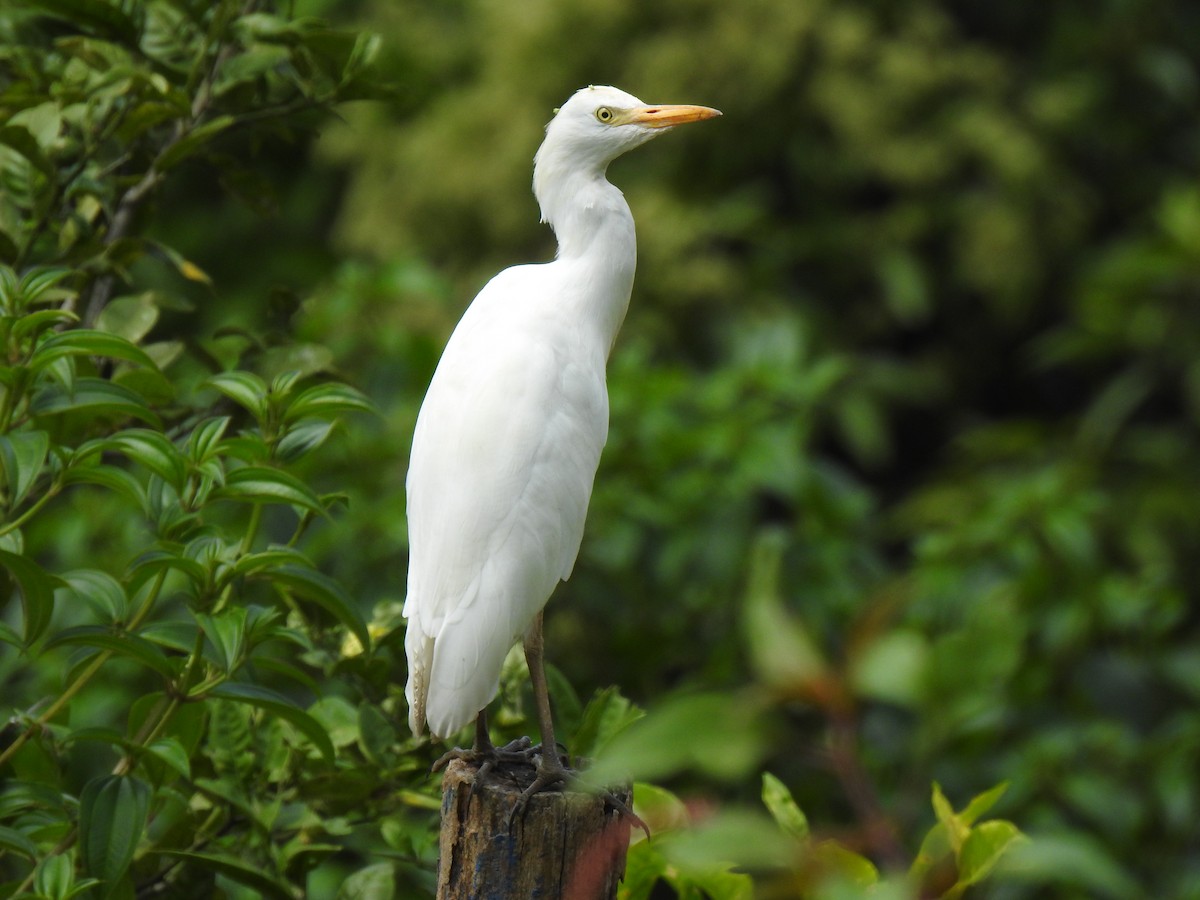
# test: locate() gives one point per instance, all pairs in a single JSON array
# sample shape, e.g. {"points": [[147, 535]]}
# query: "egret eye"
{"points": [[604, 114]]}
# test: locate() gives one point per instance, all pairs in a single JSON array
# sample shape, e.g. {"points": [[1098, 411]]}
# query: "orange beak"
{"points": [[668, 116]]}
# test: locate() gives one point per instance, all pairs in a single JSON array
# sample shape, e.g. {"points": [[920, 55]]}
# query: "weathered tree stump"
{"points": [[561, 845]]}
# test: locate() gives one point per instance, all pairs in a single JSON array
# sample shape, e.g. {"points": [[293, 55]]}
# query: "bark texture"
{"points": [[562, 845]]}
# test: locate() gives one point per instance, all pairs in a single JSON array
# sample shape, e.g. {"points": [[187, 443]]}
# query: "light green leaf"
{"points": [[720, 734], [731, 836], [112, 817], [129, 317], [858, 869], [339, 718], [279, 705], [983, 848], [780, 649], [981, 803], [892, 667], [956, 829], [377, 882], [783, 807]]}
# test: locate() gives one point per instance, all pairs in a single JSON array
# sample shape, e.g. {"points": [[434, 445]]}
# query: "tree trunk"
{"points": [[562, 845]]}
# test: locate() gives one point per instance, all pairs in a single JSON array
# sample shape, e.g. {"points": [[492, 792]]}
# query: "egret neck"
{"points": [[595, 232]]}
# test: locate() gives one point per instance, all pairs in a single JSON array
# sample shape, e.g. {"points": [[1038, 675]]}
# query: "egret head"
{"points": [[593, 128], [600, 123]]}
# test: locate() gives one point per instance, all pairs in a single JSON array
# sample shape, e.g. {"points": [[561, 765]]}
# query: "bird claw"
{"points": [[552, 774]]}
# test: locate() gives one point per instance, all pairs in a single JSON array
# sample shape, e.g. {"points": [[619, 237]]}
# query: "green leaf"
{"points": [[375, 734], [720, 734], [855, 868], [175, 635], [226, 632], [14, 841], [244, 388], [303, 437], [152, 562], [607, 714], [1082, 864], [983, 848], [891, 667], [24, 143], [22, 454], [326, 400], [260, 484], [731, 836], [169, 751], [55, 877], [129, 317], [278, 705], [37, 592], [117, 480], [112, 817], [93, 396], [322, 590], [192, 142], [154, 451], [783, 807], [252, 563], [97, 589], [83, 342], [122, 643], [377, 882], [205, 437], [104, 19], [236, 870], [34, 324]]}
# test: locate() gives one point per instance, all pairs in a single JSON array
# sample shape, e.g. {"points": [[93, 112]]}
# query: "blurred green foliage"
{"points": [[902, 472]]}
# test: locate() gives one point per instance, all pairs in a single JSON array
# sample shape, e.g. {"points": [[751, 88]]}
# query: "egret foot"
{"points": [[485, 758], [552, 773]]}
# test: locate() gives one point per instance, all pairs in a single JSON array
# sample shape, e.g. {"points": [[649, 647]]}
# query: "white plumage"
{"points": [[509, 437]]}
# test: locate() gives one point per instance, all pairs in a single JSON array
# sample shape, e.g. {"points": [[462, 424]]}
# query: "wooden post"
{"points": [[561, 845]]}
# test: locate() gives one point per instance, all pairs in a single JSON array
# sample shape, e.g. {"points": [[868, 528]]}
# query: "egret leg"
{"points": [[551, 770]]}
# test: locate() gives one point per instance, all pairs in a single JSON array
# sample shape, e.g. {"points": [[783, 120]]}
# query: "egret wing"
{"points": [[504, 456]]}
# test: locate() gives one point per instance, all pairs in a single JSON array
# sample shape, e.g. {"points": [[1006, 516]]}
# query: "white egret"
{"points": [[509, 437]]}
